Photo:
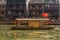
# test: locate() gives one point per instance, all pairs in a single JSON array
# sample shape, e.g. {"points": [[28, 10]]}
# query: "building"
{"points": [[15, 9], [31, 8], [52, 7], [12, 9], [2, 9], [37, 7]]}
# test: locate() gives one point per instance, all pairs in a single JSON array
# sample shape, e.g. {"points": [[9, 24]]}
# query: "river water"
{"points": [[30, 34]]}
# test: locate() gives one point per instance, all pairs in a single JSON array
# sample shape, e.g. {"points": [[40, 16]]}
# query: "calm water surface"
{"points": [[29, 34]]}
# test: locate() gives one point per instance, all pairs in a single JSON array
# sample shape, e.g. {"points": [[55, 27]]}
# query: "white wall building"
{"points": [[2, 1]]}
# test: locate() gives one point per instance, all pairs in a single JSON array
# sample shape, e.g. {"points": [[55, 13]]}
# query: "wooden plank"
{"points": [[32, 19]]}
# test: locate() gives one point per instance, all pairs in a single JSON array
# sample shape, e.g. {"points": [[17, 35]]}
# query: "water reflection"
{"points": [[30, 34]]}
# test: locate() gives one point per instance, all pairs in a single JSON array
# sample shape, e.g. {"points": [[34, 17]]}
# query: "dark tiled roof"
{"points": [[15, 1]]}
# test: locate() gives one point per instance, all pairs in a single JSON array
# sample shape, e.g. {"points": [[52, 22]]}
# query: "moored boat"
{"points": [[32, 23]]}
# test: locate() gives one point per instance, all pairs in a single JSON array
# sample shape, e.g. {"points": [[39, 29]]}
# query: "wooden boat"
{"points": [[32, 23]]}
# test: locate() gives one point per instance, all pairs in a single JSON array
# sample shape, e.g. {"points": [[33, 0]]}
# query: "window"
{"points": [[1, 14], [36, 7], [20, 13], [9, 12], [9, 7], [32, 6], [47, 6], [1, 6], [14, 6]]}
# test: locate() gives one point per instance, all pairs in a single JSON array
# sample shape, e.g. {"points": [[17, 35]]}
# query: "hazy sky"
{"points": [[59, 1]]}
